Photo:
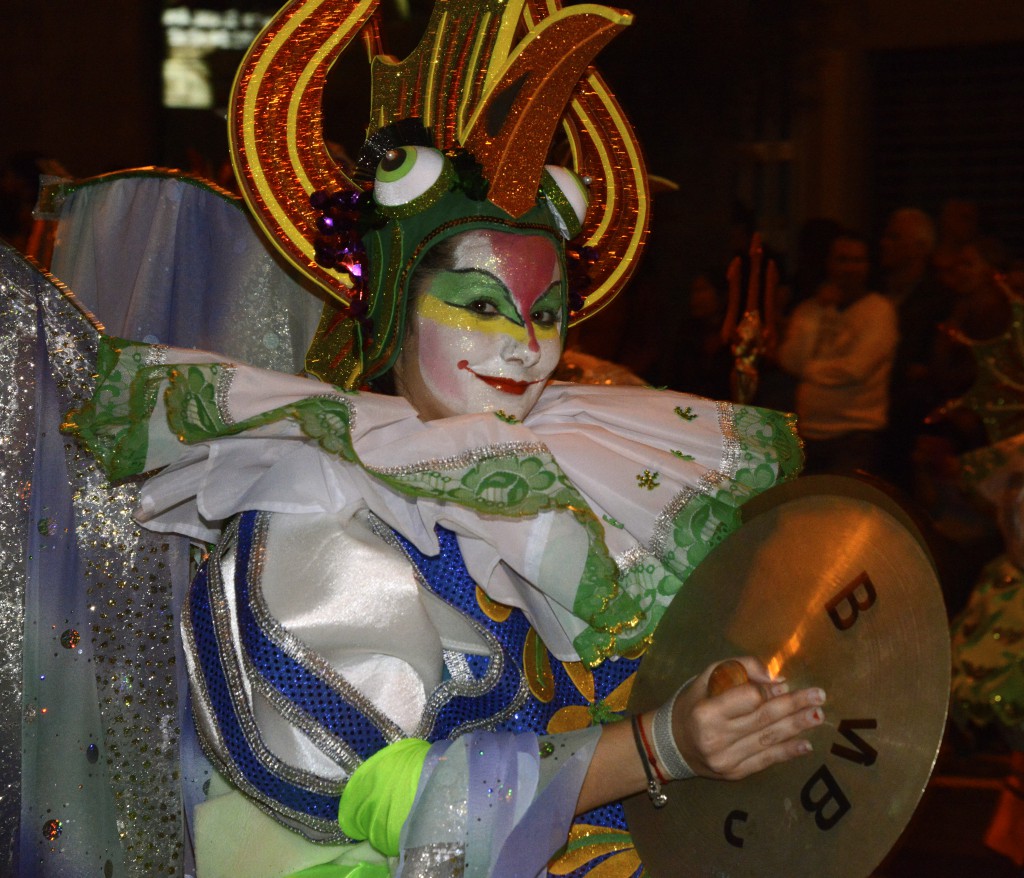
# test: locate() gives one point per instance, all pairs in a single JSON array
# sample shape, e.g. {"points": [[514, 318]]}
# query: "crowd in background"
{"points": [[868, 351]]}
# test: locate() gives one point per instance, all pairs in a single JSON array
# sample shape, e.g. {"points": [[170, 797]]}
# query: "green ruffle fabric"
{"points": [[621, 611], [115, 425], [769, 454]]}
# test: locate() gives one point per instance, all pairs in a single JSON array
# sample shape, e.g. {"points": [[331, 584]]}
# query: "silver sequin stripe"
{"points": [[666, 519], [226, 648], [222, 392], [17, 436], [201, 701], [226, 379], [462, 682], [325, 830], [467, 458]]}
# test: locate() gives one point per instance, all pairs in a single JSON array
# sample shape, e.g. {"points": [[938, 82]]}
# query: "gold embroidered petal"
{"points": [[581, 851], [492, 609], [537, 667], [618, 698], [619, 866], [570, 719], [582, 678]]}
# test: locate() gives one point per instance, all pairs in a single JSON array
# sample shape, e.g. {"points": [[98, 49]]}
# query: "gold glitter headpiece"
{"points": [[490, 82]]}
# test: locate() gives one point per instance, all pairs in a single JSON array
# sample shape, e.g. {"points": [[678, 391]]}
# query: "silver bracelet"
{"points": [[664, 742]]}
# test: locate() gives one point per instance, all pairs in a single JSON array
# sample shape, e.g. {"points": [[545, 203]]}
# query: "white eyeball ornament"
{"points": [[567, 196], [410, 179]]}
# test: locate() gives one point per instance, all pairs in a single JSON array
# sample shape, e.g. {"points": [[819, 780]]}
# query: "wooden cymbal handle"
{"points": [[726, 676]]}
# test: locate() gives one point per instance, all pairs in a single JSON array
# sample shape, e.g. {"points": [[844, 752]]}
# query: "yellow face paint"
{"points": [[466, 320]]}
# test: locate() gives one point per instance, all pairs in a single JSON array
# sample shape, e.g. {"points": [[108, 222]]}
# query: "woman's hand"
{"points": [[727, 736], [746, 728]]}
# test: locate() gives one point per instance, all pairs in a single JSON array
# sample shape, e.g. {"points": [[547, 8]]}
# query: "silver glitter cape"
{"points": [[95, 760], [89, 711]]}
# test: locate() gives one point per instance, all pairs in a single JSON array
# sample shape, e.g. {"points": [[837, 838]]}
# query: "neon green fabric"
{"points": [[379, 795], [329, 870]]}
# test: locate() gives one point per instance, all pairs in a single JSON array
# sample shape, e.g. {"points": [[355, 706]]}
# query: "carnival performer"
{"points": [[431, 572]]}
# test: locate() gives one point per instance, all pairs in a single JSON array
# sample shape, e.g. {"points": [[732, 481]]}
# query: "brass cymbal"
{"points": [[829, 583]]}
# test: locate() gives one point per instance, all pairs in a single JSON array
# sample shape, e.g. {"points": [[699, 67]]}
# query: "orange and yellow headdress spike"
{"points": [[493, 77]]}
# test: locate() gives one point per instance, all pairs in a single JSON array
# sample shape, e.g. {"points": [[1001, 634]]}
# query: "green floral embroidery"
{"points": [[648, 480], [508, 419], [687, 414], [769, 454], [192, 396], [328, 421], [509, 482], [681, 456], [113, 425], [613, 522]]}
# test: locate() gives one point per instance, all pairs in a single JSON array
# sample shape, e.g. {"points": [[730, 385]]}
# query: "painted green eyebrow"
{"points": [[551, 300], [461, 288]]}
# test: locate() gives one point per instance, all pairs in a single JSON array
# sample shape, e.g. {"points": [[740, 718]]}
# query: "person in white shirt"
{"points": [[840, 344]]}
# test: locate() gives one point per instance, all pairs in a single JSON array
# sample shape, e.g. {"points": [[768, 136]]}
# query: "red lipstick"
{"points": [[505, 385]]}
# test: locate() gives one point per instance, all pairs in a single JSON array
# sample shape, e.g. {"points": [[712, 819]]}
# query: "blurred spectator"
{"points": [[966, 529], [958, 227], [813, 243], [922, 305], [840, 345], [19, 191], [980, 311], [704, 359]]}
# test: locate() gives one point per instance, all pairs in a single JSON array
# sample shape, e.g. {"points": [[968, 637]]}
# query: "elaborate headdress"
{"points": [[458, 138]]}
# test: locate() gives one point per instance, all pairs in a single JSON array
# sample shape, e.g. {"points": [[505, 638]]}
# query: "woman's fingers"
{"points": [[729, 728], [768, 735]]}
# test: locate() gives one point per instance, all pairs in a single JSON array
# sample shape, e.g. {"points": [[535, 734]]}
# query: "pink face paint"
{"points": [[526, 264]]}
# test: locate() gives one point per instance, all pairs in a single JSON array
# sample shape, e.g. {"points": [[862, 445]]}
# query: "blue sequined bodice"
{"points": [[553, 696]]}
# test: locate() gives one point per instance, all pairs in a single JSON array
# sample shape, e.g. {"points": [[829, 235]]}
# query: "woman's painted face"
{"points": [[486, 332]]}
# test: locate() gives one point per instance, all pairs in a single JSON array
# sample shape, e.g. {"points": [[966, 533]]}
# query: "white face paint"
{"points": [[485, 334]]}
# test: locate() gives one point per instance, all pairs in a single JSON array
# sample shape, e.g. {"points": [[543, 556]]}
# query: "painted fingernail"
{"points": [[817, 696], [779, 689], [804, 746], [816, 715]]}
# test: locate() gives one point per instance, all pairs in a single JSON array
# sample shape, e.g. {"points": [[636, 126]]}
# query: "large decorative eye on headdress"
{"points": [[491, 81], [410, 179]]}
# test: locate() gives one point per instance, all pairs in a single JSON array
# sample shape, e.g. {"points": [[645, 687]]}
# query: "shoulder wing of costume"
{"points": [[171, 259]]}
